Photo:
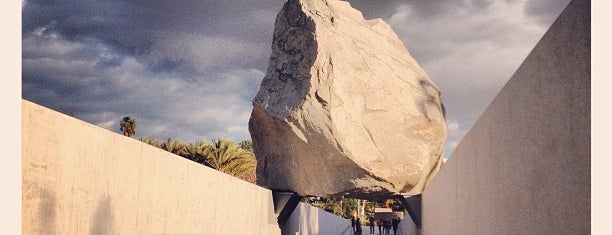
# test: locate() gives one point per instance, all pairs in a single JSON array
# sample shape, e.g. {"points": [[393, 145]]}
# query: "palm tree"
{"points": [[247, 145], [175, 146], [128, 126], [228, 157], [195, 152], [150, 141]]}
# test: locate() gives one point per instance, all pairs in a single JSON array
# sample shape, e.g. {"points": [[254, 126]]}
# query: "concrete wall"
{"points": [[82, 179], [524, 167], [407, 227], [307, 219]]}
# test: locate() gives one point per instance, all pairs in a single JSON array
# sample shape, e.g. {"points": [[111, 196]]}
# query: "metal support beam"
{"points": [[413, 205], [284, 204]]}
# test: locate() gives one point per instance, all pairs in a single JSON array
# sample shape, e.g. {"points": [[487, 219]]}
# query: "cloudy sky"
{"points": [[189, 69]]}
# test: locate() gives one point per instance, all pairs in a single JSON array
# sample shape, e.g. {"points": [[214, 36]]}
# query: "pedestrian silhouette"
{"points": [[371, 220]]}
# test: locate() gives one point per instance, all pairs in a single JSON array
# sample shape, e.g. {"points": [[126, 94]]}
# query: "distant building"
{"points": [[387, 213]]}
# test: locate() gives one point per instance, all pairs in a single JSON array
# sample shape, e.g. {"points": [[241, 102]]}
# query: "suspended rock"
{"points": [[344, 109]]}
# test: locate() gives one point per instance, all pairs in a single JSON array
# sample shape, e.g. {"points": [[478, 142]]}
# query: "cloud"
{"points": [[197, 55], [452, 126], [107, 125], [190, 37], [164, 104], [453, 144], [544, 12], [470, 48]]}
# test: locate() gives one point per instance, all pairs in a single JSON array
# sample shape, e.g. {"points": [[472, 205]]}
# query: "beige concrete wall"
{"points": [[524, 167], [310, 220], [82, 179], [407, 227]]}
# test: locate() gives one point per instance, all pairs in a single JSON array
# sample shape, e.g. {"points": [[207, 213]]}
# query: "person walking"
{"points": [[387, 225], [358, 226], [353, 225], [395, 222], [371, 220], [379, 224]]}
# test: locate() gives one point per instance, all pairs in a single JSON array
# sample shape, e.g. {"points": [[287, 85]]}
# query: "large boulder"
{"points": [[344, 109]]}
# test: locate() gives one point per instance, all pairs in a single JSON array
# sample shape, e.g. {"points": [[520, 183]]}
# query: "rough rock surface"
{"points": [[344, 109]]}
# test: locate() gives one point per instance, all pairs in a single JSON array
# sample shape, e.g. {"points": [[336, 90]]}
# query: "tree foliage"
{"points": [[128, 126], [223, 155], [247, 145], [174, 146], [347, 207], [344, 207], [228, 157], [150, 141]]}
